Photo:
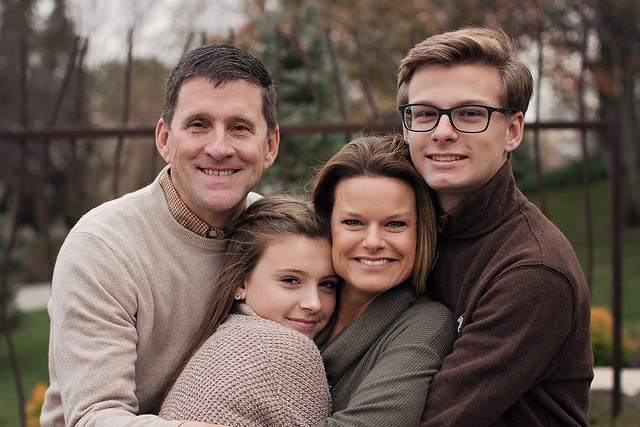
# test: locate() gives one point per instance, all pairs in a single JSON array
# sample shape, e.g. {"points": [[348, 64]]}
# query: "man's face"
{"points": [[217, 146], [453, 163]]}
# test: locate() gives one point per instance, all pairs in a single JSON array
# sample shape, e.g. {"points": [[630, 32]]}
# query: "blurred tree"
{"points": [[56, 43], [140, 161], [37, 60], [291, 44], [372, 36], [148, 75], [605, 36], [617, 23], [16, 32]]}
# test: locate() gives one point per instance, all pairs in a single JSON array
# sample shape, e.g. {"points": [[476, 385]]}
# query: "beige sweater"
{"points": [[252, 372], [130, 288]]}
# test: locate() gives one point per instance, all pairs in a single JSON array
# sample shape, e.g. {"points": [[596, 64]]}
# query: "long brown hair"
{"points": [[382, 156], [260, 225]]}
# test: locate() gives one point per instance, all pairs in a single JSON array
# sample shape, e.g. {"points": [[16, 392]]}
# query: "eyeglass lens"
{"points": [[466, 118]]}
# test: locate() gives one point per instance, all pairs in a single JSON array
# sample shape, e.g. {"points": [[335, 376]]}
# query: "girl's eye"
{"points": [[290, 280], [351, 222], [329, 284]]}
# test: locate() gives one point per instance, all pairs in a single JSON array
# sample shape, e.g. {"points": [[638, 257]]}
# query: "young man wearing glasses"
{"points": [[523, 354]]}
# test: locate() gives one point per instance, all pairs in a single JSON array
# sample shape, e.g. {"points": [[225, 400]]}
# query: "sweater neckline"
{"points": [[360, 335], [484, 210]]}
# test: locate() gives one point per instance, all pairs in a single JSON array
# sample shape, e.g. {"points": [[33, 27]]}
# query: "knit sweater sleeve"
{"points": [[129, 288], [96, 373], [252, 372], [506, 346]]}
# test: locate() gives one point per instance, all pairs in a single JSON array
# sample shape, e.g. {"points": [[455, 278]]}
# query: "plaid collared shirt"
{"points": [[185, 216]]}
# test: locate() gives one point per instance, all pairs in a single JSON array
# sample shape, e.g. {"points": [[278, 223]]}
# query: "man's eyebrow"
{"points": [[201, 114], [241, 118], [458, 102], [474, 101], [193, 114]]}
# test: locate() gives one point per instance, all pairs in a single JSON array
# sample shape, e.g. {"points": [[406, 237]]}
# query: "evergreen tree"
{"points": [[291, 43]]}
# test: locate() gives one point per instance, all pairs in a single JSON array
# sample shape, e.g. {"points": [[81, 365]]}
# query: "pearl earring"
{"points": [[238, 296]]}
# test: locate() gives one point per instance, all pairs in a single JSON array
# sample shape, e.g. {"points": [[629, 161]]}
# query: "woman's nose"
{"points": [[373, 239]]}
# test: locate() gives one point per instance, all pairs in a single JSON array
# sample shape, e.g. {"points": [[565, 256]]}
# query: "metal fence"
{"points": [[17, 140]]}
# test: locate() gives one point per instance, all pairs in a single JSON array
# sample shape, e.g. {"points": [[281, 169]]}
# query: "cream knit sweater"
{"points": [[130, 288], [252, 372]]}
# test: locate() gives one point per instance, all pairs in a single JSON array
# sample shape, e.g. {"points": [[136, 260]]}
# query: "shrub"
{"points": [[569, 175], [602, 338]]}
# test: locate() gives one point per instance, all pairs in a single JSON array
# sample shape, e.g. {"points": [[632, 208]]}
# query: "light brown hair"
{"points": [[382, 156], [264, 222], [472, 45]]}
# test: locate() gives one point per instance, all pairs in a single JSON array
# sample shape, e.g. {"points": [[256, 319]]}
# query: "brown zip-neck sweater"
{"points": [[523, 354]]}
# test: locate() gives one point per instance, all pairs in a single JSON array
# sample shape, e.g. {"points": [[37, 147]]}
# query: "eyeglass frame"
{"points": [[447, 112]]}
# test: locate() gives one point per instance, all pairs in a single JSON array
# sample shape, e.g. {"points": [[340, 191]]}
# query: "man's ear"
{"points": [[273, 143], [515, 131], [162, 140]]}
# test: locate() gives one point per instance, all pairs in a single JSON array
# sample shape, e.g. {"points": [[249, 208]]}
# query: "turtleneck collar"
{"points": [[485, 209]]}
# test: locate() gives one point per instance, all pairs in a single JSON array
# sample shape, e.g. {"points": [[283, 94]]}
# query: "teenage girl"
{"points": [[253, 361]]}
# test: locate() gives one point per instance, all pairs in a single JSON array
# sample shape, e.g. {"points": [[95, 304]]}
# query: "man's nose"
{"points": [[444, 130], [219, 145]]}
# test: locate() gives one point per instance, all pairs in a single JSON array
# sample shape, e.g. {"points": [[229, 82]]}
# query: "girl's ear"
{"points": [[241, 290]]}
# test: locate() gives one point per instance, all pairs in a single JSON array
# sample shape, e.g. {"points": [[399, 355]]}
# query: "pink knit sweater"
{"points": [[252, 372]]}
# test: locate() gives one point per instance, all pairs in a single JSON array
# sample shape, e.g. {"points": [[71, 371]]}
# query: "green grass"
{"points": [[566, 208], [31, 342]]}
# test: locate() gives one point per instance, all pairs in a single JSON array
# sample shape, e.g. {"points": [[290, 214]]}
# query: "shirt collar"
{"points": [[485, 209], [181, 212]]}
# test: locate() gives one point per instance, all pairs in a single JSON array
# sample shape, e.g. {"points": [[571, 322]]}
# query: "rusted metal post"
{"points": [[125, 114], [536, 132], [617, 225]]}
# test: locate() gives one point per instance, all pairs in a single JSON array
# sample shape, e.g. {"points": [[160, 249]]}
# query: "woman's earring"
{"points": [[238, 296]]}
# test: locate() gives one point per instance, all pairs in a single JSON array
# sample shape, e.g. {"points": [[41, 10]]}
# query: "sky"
{"points": [[161, 27]]}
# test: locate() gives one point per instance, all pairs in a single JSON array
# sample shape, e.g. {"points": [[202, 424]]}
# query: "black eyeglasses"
{"points": [[469, 118]]}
